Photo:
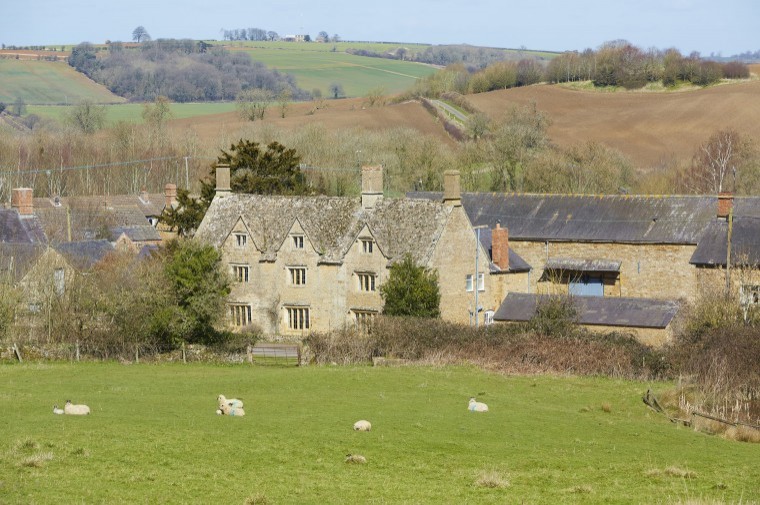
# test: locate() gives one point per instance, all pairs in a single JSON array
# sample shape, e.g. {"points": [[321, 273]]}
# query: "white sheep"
{"points": [[231, 402], [356, 458], [475, 406], [75, 410], [231, 411], [56, 410], [362, 425]]}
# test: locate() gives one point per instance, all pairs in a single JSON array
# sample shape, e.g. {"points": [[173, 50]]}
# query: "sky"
{"points": [[720, 27]]}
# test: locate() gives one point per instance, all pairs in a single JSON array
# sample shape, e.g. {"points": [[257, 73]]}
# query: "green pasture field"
{"points": [[357, 74], [47, 82], [133, 111], [153, 437]]}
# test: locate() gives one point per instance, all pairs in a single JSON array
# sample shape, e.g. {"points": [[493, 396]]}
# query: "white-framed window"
{"points": [[240, 314], [240, 273], [368, 245], [59, 281], [364, 319], [298, 318], [481, 282], [366, 281], [488, 317], [297, 276], [241, 239], [297, 241]]}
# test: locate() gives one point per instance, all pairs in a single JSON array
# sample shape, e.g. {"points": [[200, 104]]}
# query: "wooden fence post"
{"points": [[77, 348], [250, 354], [17, 353], [137, 354], [184, 355]]}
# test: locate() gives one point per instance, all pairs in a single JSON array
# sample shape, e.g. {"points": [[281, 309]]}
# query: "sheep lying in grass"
{"points": [[231, 402], [75, 410], [231, 411], [356, 459], [56, 410], [362, 425], [475, 406]]}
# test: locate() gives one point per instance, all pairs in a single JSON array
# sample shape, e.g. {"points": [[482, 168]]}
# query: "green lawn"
{"points": [[153, 437], [133, 111], [47, 82]]}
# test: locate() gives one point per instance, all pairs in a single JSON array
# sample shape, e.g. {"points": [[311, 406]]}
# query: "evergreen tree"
{"points": [[411, 290]]}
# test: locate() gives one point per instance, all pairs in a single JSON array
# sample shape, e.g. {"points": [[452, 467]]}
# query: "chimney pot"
{"points": [[451, 193], [725, 204], [22, 201], [500, 247], [372, 185]]}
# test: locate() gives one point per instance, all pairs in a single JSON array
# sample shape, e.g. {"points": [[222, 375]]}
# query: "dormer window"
{"points": [[297, 241], [368, 245], [241, 239]]}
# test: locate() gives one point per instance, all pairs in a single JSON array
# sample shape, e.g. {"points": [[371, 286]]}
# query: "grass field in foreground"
{"points": [[153, 437], [133, 111], [47, 82]]}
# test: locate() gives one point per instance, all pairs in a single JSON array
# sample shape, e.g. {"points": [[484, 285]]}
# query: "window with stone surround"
{"points": [[241, 239], [297, 276], [240, 314], [364, 319], [298, 318], [297, 241], [368, 245], [240, 273], [366, 281]]}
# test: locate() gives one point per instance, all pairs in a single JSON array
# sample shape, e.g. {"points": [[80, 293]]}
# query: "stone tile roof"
{"points": [[89, 221], [149, 204], [745, 243], [144, 233], [83, 255], [17, 258], [332, 224], [596, 310], [15, 229], [607, 218], [582, 265]]}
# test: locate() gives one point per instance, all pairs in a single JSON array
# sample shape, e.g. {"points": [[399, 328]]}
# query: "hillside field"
{"points": [[132, 112], [46, 82], [153, 437]]}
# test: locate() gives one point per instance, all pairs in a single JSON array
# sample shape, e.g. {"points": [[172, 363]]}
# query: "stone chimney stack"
{"points": [[451, 193], [170, 193], [223, 180], [725, 204], [21, 200], [372, 185], [500, 247]]}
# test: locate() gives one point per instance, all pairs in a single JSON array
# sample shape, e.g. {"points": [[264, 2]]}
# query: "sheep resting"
{"points": [[362, 425], [475, 406]]}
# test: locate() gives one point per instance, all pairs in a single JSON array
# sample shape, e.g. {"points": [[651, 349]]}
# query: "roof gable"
{"points": [[15, 229]]}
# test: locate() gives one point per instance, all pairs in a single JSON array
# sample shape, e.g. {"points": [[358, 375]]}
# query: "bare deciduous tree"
{"points": [[715, 162]]}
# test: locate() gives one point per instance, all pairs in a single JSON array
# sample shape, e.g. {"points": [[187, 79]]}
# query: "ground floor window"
{"points": [[364, 319], [240, 314], [298, 318]]}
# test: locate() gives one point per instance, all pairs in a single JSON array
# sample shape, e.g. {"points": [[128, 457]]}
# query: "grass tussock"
{"points": [[672, 471], [36, 460], [742, 434], [257, 499], [81, 452], [580, 489], [606, 407], [492, 479], [25, 444]]}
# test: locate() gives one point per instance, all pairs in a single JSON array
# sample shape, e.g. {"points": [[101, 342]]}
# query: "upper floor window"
{"points": [[481, 282], [366, 281], [241, 239], [297, 241], [240, 272], [368, 245], [297, 276], [59, 281]]}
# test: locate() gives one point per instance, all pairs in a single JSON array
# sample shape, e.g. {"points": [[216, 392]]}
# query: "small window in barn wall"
{"points": [[241, 239], [468, 283], [469, 286], [59, 281]]}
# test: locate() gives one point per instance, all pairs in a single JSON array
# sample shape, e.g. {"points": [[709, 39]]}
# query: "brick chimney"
{"points": [[725, 204], [21, 200], [144, 195], [500, 247], [372, 185], [222, 180], [170, 194], [451, 194]]}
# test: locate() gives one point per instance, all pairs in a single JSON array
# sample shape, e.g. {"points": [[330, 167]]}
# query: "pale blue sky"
{"points": [[709, 26]]}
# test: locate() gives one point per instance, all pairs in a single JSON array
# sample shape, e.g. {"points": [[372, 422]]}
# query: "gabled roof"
{"points": [[595, 310], [148, 204], [607, 218], [745, 243], [15, 229], [89, 221], [83, 255], [18, 258], [136, 233], [399, 226]]}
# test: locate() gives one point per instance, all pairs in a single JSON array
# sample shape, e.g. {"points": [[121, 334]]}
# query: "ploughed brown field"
{"points": [[650, 128]]}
